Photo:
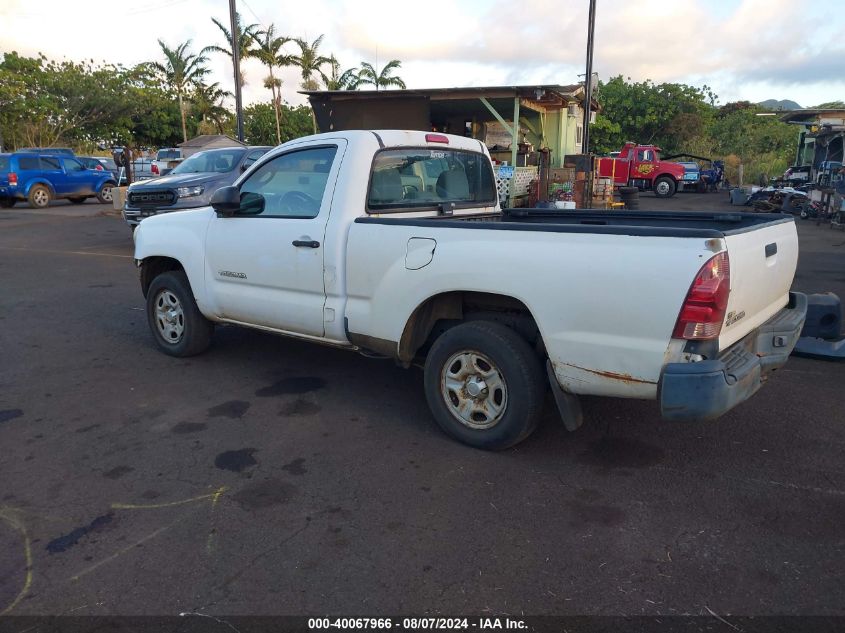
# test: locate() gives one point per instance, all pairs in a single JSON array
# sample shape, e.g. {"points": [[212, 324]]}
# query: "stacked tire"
{"points": [[630, 197]]}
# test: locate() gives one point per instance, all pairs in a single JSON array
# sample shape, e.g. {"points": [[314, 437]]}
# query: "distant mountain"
{"points": [[784, 104]]}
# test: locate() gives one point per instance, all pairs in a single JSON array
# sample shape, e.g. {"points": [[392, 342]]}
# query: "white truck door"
{"points": [[264, 264]]}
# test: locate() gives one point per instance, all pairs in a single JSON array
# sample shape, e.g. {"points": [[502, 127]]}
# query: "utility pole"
{"points": [[236, 62], [588, 79]]}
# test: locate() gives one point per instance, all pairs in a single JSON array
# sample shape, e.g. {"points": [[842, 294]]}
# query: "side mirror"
{"points": [[251, 203], [226, 201], [246, 166]]}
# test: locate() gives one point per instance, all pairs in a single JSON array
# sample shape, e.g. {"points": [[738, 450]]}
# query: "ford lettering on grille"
{"points": [[151, 198]]}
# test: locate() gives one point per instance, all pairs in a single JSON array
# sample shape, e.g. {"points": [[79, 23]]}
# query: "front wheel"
{"points": [[105, 195], [484, 385], [664, 187], [178, 326]]}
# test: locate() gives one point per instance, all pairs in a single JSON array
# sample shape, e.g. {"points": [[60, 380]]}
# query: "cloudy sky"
{"points": [[742, 49]]}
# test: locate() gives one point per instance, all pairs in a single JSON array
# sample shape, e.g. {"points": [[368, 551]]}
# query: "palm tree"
{"points": [[208, 103], [269, 52], [179, 70], [310, 61], [383, 79], [246, 41], [346, 80]]}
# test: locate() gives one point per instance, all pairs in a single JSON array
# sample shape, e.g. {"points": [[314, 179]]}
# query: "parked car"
{"points": [[691, 180], [101, 163], [325, 239], [40, 178], [142, 169], [58, 151], [190, 184], [167, 158]]}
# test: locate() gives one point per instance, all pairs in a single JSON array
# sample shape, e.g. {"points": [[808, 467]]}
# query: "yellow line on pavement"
{"points": [[214, 496], [120, 552]]}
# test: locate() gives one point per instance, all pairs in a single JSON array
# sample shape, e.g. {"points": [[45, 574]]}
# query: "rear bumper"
{"points": [[707, 389]]}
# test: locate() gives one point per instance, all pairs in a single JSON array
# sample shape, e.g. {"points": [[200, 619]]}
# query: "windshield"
{"points": [[215, 160]]}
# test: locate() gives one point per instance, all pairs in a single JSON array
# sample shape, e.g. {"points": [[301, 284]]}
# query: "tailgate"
{"points": [[762, 263]]}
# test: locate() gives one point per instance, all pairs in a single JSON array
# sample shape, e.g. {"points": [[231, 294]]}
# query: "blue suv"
{"points": [[42, 177]]}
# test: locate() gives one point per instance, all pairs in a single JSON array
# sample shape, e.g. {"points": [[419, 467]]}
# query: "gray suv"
{"points": [[190, 184]]}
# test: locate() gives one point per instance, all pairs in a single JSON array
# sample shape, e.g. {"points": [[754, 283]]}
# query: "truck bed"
{"points": [[639, 223]]}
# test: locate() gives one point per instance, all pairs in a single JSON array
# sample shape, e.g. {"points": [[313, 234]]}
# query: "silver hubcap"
{"points": [[663, 188], [474, 390], [41, 197], [170, 318], [106, 193]]}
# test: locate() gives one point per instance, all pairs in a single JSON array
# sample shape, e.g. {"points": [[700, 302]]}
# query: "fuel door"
{"points": [[420, 252]]}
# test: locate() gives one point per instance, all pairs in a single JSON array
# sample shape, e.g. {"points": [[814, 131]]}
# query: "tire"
{"points": [[177, 325], [504, 371], [664, 187], [39, 197], [105, 195], [78, 200], [7, 203]]}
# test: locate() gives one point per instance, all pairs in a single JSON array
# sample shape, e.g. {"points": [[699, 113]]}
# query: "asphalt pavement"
{"points": [[272, 476]]}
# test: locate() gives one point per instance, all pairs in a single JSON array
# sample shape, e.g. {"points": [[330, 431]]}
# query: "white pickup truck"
{"points": [[393, 243]]}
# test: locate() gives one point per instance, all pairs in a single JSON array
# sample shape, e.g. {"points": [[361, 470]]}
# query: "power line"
{"points": [[257, 17]]}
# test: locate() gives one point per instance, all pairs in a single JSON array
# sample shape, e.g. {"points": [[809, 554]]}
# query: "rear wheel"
{"points": [[178, 326], [39, 197], [664, 187], [78, 200], [484, 385], [105, 195]]}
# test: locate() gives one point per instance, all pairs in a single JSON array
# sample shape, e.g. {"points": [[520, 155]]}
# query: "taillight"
{"points": [[13, 179], [703, 311], [436, 138], [154, 168], [99, 167]]}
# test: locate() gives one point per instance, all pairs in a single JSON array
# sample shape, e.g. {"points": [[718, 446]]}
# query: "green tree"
{"points": [[764, 144], [247, 36], [44, 102], [380, 79], [670, 115], [180, 70], [830, 105], [259, 123], [208, 106], [346, 80], [270, 51], [310, 62]]}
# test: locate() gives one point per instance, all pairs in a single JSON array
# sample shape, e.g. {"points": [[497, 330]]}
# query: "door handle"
{"points": [[307, 243]]}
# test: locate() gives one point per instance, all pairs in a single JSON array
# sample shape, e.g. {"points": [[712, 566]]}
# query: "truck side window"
{"points": [[292, 184], [644, 156], [49, 163], [410, 179]]}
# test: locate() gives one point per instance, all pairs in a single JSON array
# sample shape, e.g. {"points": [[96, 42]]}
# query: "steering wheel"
{"points": [[297, 202], [409, 191]]}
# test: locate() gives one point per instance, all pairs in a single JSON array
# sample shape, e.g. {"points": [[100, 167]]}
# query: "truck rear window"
{"points": [[4, 163], [411, 179]]}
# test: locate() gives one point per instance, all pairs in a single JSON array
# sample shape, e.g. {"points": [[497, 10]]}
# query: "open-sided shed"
{"points": [[549, 116]]}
